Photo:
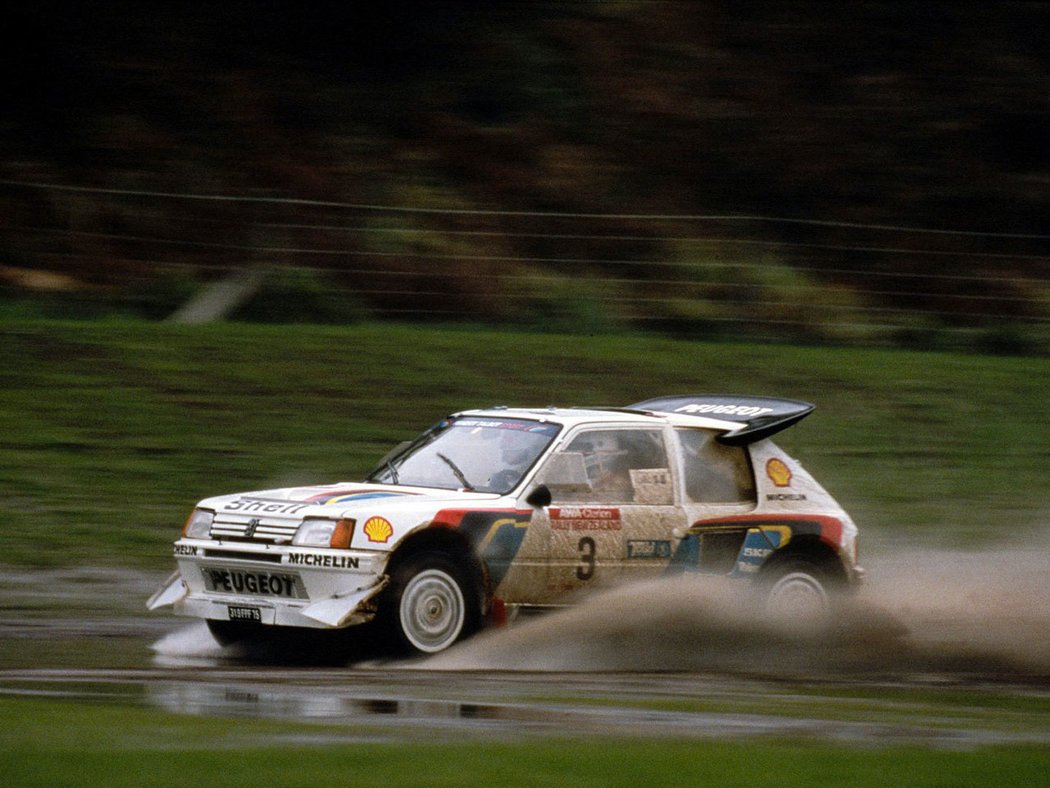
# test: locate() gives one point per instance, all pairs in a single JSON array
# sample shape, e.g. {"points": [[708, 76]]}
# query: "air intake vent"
{"points": [[255, 529]]}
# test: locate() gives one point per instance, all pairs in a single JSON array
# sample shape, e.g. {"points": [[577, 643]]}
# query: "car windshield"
{"points": [[470, 453]]}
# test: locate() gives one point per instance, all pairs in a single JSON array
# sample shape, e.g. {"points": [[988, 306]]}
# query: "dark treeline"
{"points": [[848, 125]]}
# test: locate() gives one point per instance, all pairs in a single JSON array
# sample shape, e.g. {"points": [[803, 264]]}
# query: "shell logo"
{"points": [[778, 472], [378, 529]]}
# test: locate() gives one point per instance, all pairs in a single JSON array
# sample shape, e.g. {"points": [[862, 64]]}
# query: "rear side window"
{"points": [[612, 466], [715, 473]]}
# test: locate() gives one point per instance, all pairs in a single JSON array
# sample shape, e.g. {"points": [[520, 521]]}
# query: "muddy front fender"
{"points": [[352, 608]]}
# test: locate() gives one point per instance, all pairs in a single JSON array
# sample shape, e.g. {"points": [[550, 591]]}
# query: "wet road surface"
{"points": [[644, 662]]}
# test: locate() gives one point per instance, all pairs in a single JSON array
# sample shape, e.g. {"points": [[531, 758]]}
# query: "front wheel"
{"points": [[432, 604]]}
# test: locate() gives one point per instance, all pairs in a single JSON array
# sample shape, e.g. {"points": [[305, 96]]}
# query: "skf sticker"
{"points": [[778, 472], [378, 529], [758, 545]]}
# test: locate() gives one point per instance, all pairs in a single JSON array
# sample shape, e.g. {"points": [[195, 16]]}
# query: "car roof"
{"points": [[753, 417], [571, 417]]}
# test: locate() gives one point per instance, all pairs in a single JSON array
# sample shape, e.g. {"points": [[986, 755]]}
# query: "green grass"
{"points": [[110, 431], [48, 742]]}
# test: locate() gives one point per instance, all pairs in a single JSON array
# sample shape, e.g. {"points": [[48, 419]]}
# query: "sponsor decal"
{"points": [[263, 506], [378, 529], [249, 530], [233, 581], [325, 561], [648, 548], [585, 518], [762, 532], [758, 545], [778, 472], [496, 534], [725, 410], [757, 552], [516, 426], [785, 497], [352, 496], [185, 549]]}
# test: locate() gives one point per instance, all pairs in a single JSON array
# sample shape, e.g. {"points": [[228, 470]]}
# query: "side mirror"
{"points": [[540, 498]]}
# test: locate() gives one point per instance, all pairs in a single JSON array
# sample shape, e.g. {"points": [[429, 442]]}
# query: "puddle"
{"points": [[413, 705], [662, 660]]}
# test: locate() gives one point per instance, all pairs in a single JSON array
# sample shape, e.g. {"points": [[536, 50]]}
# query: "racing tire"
{"points": [[431, 604], [796, 589]]}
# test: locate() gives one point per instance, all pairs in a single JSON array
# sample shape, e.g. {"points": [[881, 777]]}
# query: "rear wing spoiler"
{"points": [[760, 416]]}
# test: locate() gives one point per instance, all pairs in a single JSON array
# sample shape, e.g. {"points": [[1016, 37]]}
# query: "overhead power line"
{"points": [[640, 217]]}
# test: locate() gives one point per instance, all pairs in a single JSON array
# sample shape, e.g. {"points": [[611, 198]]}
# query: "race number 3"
{"points": [[585, 571]]}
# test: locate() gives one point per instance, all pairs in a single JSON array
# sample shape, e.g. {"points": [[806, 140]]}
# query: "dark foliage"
{"points": [[840, 127]]}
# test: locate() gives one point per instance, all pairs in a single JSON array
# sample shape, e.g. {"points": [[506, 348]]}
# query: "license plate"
{"points": [[246, 582], [240, 613]]}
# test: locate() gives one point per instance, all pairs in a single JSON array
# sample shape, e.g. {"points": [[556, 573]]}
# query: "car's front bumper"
{"points": [[273, 587]]}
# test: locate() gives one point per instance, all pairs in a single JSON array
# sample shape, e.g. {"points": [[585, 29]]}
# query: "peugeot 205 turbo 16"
{"points": [[496, 511]]}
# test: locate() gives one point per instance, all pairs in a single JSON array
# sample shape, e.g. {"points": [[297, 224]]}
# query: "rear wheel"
{"points": [[797, 589], [432, 605]]}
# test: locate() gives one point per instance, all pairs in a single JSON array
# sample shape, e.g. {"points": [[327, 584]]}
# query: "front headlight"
{"points": [[198, 525], [325, 533]]}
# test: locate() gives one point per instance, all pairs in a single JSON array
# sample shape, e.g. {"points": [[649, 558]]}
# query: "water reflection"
{"points": [[304, 703], [354, 705]]}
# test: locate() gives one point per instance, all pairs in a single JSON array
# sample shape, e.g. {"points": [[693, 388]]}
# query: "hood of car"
{"points": [[331, 500], [383, 514]]}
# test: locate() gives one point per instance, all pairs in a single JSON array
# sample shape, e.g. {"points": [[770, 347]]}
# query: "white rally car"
{"points": [[498, 510]]}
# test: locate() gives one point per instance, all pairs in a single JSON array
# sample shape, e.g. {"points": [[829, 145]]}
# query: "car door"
{"points": [[613, 510]]}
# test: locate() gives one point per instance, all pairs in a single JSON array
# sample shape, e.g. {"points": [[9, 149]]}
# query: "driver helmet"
{"points": [[514, 449]]}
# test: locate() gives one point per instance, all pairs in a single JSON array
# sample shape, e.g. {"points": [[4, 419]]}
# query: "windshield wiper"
{"points": [[394, 479], [459, 474]]}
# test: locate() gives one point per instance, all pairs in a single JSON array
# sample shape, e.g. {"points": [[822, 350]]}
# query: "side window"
{"points": [[715, 473], [612, 466]]}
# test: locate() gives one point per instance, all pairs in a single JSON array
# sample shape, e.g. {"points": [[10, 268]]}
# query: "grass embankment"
{"points": [[111, 431], [44, 742]]}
